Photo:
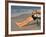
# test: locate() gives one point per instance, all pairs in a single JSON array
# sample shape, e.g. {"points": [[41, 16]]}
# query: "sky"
{"points": [[19, 10]]}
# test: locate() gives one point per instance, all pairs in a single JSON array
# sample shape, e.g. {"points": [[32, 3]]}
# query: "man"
{"points": [[24, 22]]}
